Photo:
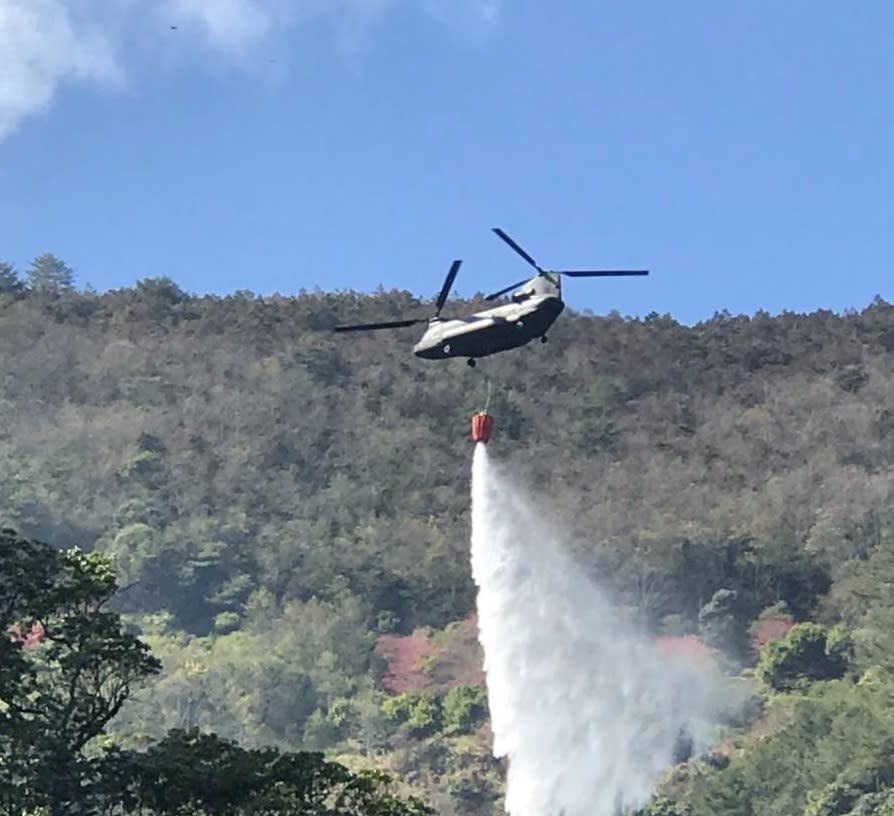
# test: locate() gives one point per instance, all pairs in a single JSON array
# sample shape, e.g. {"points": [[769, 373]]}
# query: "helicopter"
{"points": [[534, 308]]}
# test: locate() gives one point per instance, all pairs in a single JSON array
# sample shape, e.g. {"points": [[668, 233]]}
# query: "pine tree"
{"points": [[10, 283], [50, 274]]}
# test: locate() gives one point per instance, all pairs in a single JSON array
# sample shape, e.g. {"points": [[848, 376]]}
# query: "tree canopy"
{"points": [[10, 282], [288, 512], [48, 273]]}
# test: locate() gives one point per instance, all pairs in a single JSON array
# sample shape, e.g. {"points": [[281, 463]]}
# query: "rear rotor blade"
{"points": [[397, 324], [603, 273], [517, 248], [506, 289], [448, 283]]}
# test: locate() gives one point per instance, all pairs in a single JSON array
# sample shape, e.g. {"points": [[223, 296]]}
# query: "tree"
{"points": [[204, 775], [10, 283], [50, 274], [67, 668], [464, 707], [721, 625], [160, 295], [419, 711], [804, 654], [594, 427], [662, 806]]}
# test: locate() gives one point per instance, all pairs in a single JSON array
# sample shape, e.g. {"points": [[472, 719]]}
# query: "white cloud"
{"points": [[46, 43], [485, 11], [230, 25], [43, 43]]}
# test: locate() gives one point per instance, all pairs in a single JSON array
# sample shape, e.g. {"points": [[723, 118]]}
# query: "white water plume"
{"points": [[584, 707]]}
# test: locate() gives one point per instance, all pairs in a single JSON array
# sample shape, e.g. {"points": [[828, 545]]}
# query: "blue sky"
{"points": [[740, 151]]}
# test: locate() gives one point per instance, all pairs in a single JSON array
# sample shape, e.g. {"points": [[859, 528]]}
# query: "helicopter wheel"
{"points": [[543, 338], [471, 361]]}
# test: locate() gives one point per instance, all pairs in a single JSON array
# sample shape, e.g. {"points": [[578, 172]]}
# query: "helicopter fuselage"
{"points": [[494, 330]]}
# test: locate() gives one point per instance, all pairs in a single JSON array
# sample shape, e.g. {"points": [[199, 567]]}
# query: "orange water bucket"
{"points": [[482, 427]]}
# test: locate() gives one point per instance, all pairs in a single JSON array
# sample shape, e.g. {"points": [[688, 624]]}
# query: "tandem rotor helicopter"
{"points": [[533, 310]]}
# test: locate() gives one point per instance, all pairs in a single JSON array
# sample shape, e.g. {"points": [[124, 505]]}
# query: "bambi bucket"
{"points": [[482, 427]]}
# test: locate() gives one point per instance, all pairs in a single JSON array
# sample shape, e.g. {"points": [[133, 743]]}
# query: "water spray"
{"points": [[586, 710]]}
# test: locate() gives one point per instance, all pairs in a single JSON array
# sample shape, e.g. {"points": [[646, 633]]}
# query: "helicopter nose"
{"points": [[427, 349], [425, 352]]}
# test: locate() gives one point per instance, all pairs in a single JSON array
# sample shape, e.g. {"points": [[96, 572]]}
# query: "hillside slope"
{"points": [[278, 497]]}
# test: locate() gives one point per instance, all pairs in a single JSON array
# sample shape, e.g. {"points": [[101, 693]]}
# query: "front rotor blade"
{"points": [[448, 283], [604, 273], [507, 289], [397, 324], [517, 248]]}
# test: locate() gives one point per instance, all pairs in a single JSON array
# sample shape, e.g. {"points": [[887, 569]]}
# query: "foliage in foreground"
{"points": [[66, 668]]}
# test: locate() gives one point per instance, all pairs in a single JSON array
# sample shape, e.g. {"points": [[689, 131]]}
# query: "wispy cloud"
{"points": [[229, 25], [42, 44], [45, 44]]}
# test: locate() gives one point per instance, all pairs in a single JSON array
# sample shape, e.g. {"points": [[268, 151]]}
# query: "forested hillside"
{"points": [[287, 510]]}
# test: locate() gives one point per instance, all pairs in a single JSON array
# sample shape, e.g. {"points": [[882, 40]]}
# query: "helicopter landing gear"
{"points": [[471, 362], [544, 338]]}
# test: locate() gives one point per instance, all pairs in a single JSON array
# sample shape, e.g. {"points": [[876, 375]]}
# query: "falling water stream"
{"points": [[584, 707]]}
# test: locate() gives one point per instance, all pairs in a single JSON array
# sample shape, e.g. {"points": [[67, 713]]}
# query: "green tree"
{"points": [[419, 711], [67, 668], [593, 425], [662, 806], [803, 655], [835, 799], [721, 624], [463, 708], [204, 775], [10, 283], [50, 274], [161, 289], [160, 295]]}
